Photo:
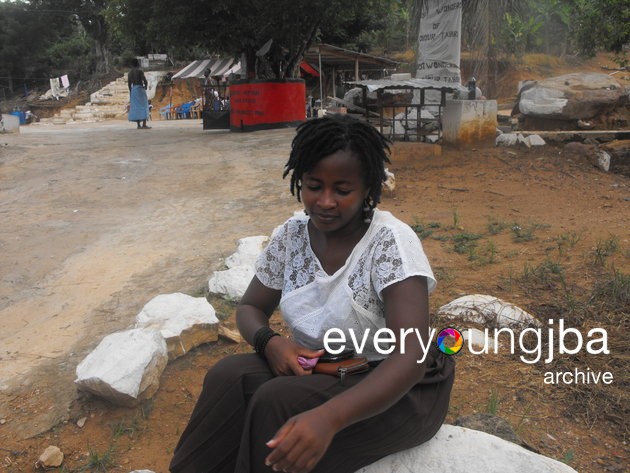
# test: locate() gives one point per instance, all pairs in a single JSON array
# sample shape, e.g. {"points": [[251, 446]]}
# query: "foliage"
{"points": [[26, 36], [44, 38], [71, 53], [519, 34], [601, 24], [555, 17], [243, 27]]}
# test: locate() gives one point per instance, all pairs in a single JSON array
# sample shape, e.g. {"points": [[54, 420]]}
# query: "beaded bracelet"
{"points": [[261, 338]]}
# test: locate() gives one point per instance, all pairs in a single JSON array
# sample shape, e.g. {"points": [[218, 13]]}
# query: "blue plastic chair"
{"points": [[183, 111]]}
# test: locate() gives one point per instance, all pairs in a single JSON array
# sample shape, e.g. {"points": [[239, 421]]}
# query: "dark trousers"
{"points": [[242, 405]]}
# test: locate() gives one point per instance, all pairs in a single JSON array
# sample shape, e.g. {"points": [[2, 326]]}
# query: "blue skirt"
{"points": [[139, 105]]}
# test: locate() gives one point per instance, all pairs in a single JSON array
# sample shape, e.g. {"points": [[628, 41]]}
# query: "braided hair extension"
{"points": [[321, 137]]}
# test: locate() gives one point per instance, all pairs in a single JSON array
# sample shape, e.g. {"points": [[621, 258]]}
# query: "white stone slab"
{"points": [[457, 449], [534, 140], [487, 310], [184, 321], [232, 282], [247, 251], [125, 368], [506, 139]]}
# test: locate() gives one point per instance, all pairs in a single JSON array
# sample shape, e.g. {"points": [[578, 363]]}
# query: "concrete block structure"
{"points": [[469, 121]]}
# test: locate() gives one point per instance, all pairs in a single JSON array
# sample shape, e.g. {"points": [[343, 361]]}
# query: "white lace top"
{"points": [[313, 302]]}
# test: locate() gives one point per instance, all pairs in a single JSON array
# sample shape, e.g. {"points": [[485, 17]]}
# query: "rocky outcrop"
{"points": [[577, 96]]}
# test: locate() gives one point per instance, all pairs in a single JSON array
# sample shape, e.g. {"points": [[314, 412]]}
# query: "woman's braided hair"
{"points": [[321, 137]]}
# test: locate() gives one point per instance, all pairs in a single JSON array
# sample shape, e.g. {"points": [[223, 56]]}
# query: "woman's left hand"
{"points": [[301, 442]]}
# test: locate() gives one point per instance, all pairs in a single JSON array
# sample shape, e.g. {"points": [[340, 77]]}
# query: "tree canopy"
{"points": [[45, 38], [243, 27]]}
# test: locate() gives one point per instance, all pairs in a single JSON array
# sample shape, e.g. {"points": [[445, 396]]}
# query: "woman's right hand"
{"points": [[282, 357]]}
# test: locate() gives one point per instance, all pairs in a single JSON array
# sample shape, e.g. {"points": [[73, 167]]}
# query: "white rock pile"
{"points": [[514, 139], [125, 368]]}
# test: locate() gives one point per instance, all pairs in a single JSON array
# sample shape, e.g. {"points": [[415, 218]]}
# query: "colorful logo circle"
{"points": [[450, 341]]}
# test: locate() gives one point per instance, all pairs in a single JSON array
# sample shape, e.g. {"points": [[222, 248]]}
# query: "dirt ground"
{"points": [[97, 219]]}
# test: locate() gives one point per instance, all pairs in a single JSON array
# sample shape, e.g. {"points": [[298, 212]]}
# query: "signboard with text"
{"points": [[439, 42]]}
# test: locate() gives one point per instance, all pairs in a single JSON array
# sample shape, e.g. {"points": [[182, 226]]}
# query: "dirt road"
{"points": [[99, 218]]}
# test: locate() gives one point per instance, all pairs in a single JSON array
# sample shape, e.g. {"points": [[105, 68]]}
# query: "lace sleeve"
{"points": [[398, 256], [271, 262]]}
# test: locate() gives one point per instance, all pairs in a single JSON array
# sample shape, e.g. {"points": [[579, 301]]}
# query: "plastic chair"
{"points": [[195, 110], [165, 112], [183, 111]]}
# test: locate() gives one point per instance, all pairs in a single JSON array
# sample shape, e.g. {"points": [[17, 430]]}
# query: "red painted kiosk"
{"points": [[266, 104]]}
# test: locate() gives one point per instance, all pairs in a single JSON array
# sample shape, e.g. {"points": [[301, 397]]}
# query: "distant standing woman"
{"points": [[138, 103]]}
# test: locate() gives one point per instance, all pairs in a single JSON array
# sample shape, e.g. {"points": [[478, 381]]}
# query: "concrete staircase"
{"points": [[108, 103]]}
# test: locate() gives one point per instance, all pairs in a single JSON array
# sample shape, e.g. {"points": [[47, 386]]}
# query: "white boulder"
{"points": [[603, 160], [576, 96], [488, 311], [247, 251], [125, 368], [234, 281], [534, 140], [506, 139], [184, 321], [460, 449], [390, 182]]}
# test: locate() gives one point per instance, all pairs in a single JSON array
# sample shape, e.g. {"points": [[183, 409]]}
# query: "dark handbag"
{"points": [[342, 368]]}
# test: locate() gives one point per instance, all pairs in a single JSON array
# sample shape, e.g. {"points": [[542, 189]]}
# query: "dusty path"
{"points": [[97, 219]]}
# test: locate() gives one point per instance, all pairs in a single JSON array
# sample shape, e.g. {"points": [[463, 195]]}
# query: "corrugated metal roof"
{"points": [[345, 59], [378, 84]]}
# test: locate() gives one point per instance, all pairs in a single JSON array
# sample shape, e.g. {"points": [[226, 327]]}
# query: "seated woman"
{"points": [[343, 264]]}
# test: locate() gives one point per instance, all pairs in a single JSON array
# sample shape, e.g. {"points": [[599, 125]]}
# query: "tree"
{"points": [[243, 27], [26, 34], [601, 24]]}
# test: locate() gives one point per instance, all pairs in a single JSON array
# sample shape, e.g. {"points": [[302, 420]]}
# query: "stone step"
{"points": [[83, 116], [85, 108], [108, 102], [109, 98], [106, 115], [110, 109]]}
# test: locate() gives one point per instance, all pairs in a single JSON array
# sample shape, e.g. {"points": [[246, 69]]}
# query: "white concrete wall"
{"points": [[469, 121], [10, 123]]}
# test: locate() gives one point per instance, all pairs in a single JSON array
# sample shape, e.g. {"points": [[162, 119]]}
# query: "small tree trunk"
{"points": [[10, 82]]}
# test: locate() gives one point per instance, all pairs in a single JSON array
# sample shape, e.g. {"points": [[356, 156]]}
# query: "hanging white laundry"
{"points": [[54, 87], [64, 81]]}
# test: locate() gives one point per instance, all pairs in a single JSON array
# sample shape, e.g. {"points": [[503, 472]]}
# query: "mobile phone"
{"points": [[329, 357]]}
